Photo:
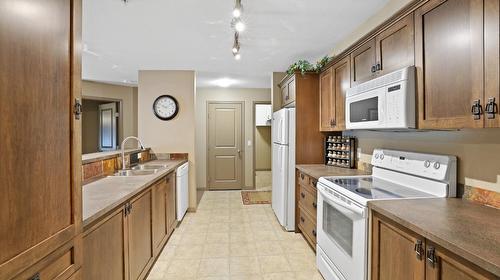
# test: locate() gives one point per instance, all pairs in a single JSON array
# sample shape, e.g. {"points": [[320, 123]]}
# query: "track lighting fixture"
{"points": [[238, 9], [236, 45], [239, 26]]}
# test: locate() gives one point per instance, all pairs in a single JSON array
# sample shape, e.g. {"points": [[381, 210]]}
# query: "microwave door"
{"points": [[366, 110]]}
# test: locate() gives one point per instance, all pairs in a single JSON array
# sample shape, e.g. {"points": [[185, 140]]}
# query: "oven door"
{"points": [[342, 233], [366, 110]]}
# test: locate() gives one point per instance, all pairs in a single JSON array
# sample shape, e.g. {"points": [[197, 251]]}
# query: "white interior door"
{"points": [[107, 127]]}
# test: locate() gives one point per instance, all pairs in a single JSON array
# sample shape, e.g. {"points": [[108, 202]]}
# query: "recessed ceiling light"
{"points": [[224, 82], [114, 66]]}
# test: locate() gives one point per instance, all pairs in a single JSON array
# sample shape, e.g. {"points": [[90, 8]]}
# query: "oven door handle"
{"points": [[325, 193]]}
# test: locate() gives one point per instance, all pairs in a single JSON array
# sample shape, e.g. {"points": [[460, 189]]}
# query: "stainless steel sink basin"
{"points": [[149, 167], [127, 173]]}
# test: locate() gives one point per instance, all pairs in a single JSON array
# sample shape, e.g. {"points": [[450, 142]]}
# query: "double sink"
{"points": [[141, 170]]}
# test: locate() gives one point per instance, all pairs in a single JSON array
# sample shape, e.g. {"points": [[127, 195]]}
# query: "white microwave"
{"points": [[386, 102]]}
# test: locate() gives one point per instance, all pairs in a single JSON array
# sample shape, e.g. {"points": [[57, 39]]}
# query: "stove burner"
{"points": [[364, 191]]}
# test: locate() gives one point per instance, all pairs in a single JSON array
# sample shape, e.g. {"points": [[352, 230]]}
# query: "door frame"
{"points": [[254, 170], [243, 148], [120, 135]]}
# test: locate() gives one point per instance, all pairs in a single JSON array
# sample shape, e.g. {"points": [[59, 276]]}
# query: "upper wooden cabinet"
{"points": [[334, 83], [40, 173], [491, 60], [395, 46], [363, 61], [288, 89], [449, 60], [398, 253], [392, 49]]}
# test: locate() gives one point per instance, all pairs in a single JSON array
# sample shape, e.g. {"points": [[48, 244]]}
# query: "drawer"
{"points": [[307, 225], [61, 264], [303, 179], [308, 200]]}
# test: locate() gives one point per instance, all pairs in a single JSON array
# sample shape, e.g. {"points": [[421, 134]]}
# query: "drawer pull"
{"points": [[314, 183], [35, 277], [314, 232], [302, 219], [302, 176], [315, 205], [302, 194]]}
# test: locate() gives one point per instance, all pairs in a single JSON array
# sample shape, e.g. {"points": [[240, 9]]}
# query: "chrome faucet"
{"points": [[123, 149]]}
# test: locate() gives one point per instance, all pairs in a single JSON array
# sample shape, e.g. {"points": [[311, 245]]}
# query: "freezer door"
{"points": [[280, 127], [280, 181]]}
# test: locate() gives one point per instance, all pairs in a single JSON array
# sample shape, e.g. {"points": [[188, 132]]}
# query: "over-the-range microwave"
{"points": [[386, 102]]}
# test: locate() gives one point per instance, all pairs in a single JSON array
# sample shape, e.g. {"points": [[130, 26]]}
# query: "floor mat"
{"points": [[256, 197]]}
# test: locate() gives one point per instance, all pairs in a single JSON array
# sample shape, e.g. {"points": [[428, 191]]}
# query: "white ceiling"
{"points": [[120, 39]]}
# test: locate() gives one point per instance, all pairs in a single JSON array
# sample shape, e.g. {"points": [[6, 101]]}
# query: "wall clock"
{"points": [[165, 107]]}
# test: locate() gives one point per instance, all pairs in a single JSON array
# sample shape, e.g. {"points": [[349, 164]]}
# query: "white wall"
{"points": [[248, 96], [177, 135]]}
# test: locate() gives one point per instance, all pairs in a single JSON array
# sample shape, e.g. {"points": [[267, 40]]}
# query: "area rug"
{"points": [[256, 197]]}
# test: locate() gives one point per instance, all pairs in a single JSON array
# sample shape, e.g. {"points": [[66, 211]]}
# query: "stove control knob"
{"points": [[437, 165], [376, 156], [381, 156], [427, 164]]}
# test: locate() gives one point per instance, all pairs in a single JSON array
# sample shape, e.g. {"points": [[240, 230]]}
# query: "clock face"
{"points": [[165, 107]]}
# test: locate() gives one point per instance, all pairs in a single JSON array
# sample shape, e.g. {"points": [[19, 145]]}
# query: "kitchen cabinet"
{"points": [[263, 114], [334, 83], [395, 46], [363, 63], [390, 50], [306, 207], [40, 173], [108, 263], [159, 212], [449, 61], [140, 251], [288, 91], [133, 234], [171, 209], [491, 60], [399, 253]]}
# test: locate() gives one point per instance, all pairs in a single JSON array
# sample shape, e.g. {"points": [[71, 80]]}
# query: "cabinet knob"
{"points": [[314, 232], [302, 195], [314, 183], [419, 249], [315, 205], [431, 256], [302, 219], [302, 176]]}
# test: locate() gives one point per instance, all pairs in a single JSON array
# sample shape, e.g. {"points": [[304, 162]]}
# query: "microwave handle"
{"points": [[339, 202]]}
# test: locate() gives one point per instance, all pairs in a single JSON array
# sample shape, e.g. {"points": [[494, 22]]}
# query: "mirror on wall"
{"points": [[101, 121]]}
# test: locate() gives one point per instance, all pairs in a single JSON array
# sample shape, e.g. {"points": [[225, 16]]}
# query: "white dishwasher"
{"points": [[182, 190]]}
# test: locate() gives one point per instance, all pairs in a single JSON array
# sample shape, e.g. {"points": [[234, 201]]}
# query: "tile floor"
{"points": [[225, 239]]}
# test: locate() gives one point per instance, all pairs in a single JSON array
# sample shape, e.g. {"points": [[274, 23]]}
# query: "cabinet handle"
{"points": [[477, 109], [491, 108], [378, 67], [302, 176], [419, 249], [302, 219], [314, 232], [431, 256], [35, 277], [302, 195], [77, 108], [374, 68], [315, 205], [314, 183]]}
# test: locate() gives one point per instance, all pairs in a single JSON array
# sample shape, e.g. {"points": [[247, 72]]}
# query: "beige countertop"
{"points": [[87, 158], [321, 170], [470, 230], [104, 195]]}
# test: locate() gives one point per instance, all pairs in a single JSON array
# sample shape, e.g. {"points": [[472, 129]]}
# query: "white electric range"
{"points": [[342, 233]]}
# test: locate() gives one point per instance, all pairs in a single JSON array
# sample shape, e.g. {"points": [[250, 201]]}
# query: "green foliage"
{"points": [[304, 66]]}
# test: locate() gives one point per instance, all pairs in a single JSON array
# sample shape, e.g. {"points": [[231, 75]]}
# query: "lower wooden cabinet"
{"points": [[398, 253], [124, 244], [108, 263], [306, 207]]}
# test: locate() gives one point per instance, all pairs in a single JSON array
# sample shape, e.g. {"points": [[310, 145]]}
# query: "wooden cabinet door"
{"points": [[491, 60], [104, 249], [341, 82], [449, 60], [447, 266], [140, 251], [291, 90], [394, 254], [326, 101], [159, 211], [171, 203], [362, 61], [396, 46], [284, 95], [40, 201]]}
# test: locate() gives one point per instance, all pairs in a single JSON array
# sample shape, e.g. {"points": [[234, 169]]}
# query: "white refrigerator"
{"points": [[283, 168]]}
